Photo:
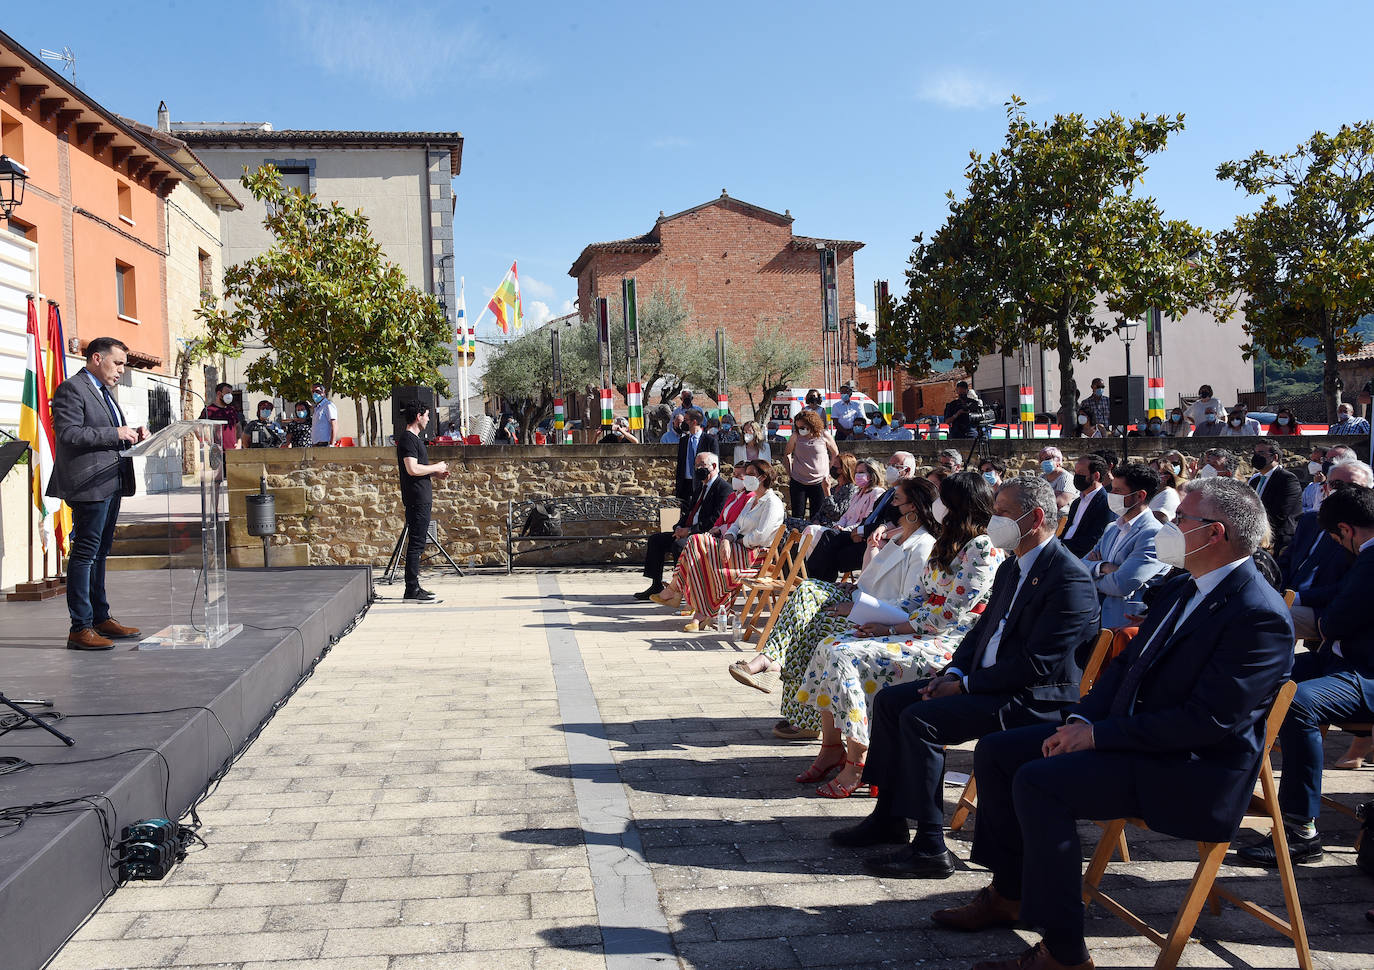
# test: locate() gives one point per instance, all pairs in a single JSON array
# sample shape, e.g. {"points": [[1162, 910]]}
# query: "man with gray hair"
{"points": [[1313, 565], [1019, 665], [1171, 732], [950, 460], [1220, 462]]}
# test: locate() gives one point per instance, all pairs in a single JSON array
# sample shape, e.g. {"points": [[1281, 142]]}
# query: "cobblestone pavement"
{"points": [[481, 783]]}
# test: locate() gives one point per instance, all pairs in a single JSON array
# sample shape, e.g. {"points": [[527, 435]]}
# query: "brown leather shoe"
{"points": [[987, 910], [117, 631], [1036, 958], [88, 639]]}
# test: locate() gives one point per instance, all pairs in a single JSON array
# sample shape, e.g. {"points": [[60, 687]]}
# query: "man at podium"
{"points": [[91, 474]]}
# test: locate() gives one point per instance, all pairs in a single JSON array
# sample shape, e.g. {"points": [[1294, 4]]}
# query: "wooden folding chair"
{"points": [[769, 567], [765, 591], [792, 577], [1288, 597], [1101, 652], [1264, 807]]}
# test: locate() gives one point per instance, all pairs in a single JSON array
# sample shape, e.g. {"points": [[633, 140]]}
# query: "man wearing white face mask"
{"points": [[1124, 559], [1171, 732], [1218, 462], [1213, 423], [839, 552]]}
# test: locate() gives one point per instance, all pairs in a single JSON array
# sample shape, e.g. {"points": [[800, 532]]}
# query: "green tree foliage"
{"points": [[772, 362], [1303, 264], [326, 304], [521, 372], [668, 351], [1050, 227]]}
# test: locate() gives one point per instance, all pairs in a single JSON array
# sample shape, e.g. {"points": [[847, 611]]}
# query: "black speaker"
{"points": [[401, 395], [1127, 399]]}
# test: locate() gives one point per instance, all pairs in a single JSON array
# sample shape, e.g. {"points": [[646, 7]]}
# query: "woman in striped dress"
{"points": [[713, 568], [671, 594]]}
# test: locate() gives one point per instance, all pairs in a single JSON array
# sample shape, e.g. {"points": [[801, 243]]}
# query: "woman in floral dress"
{"points": [[848, 669], [893, 564]]}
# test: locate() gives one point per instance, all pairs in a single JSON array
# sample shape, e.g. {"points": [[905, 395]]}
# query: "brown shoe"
{"points": [[1036, 958], [987, 910], [88, 639], [117, 631]]}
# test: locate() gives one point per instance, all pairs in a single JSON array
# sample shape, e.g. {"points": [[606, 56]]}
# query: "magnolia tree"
{"points": [[326, 305], [1303, 264], [1049, 228]]}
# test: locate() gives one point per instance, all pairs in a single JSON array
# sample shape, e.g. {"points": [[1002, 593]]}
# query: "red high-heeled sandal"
{"points": [[833, 788], [816, 773]]}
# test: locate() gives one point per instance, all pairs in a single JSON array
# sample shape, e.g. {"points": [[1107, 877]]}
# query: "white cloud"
{"points": [[863, 314], [567, 307], [537, 313], [404, 50], [960, 90], [534, 287]]}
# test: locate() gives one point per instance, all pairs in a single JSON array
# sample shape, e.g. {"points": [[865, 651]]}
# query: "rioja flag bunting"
{"points": [[607, 411], [1156, 402], [885, 401], [1027, 404], [634, 398]]}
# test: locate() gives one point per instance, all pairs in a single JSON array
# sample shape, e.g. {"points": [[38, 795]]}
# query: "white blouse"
{"points": [[759, 522]]}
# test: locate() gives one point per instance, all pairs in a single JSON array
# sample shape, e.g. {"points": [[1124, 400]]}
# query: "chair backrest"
{"points": [[1063, 524], [1277, 712], [771, 563], [1288, 597], [1096, 661]]}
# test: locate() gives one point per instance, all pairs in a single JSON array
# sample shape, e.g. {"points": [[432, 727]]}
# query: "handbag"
{"points": [[543, 520]]}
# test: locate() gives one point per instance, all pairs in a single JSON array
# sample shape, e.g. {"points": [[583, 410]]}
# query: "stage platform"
{"points": [[53, 868]]}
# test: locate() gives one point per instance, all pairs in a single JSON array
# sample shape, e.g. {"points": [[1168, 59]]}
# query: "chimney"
{"points": [[164, 117]]}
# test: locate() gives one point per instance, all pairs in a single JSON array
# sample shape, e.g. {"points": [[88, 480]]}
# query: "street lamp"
{"points": [[12, 179], [1127, 332]]}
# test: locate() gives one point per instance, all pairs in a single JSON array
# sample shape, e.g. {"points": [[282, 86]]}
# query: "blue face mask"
{"points": [[844, 398], [1047, 466], [317, 397], [1098, 392], [990, 478]]}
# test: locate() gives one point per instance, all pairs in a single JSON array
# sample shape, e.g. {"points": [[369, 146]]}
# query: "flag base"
{"points": [[41, 590]]}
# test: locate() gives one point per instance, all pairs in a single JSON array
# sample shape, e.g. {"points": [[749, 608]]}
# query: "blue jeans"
{"points": [[1328, 691], [93, 526]]}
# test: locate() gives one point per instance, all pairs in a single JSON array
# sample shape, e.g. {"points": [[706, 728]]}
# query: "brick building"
{"points": [[736, 263]]}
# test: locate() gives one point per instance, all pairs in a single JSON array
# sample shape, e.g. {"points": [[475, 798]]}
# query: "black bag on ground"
{"points": [[1364, 858], [543, 520]]}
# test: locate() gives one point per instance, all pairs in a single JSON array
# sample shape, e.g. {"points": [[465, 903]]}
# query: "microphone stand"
{"points": [[26, 716]]}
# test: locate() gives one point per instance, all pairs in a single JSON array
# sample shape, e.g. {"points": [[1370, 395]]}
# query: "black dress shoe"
{"points": [[1299, 850], [910, 864], [874, 830], [419, 596], [653, 590]]}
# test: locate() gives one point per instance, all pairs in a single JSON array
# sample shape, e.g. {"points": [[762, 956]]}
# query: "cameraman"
{"points": [[263, 432], [960, 413], [417, 493]]}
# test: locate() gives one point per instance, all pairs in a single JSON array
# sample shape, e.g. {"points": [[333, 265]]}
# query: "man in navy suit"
{"points": [[1090, 513], [842, 550], [1335, 684], [1279, 490], [699, 512], [1171, 732], [1314, 565], [692, 442], [91, 437], [1020, 664]]}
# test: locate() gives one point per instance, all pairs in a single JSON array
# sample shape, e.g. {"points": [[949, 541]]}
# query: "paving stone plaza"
{"points": [[541, 772]]}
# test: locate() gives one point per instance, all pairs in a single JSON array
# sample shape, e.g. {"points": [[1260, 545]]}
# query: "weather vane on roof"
{"points": [[65, 55]]}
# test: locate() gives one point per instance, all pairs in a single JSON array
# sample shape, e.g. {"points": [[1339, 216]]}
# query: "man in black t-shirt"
{"points": [[416, 492]]}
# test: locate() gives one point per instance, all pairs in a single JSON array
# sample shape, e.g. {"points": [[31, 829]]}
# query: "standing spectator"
{"points": [[897, 430], [950, 461], [1205, 401], [1053, 471], [1240, 424], [1316, 470], [681, 410], [225, 408], [807, 456], [325, 427], [957, 412], [1347, 423], [262, 431], [1179, 425], [1097, 404], [298, 430], [692, 442], [754, 446], [674, 432], [1285, 422], [619, 433], [993, 469], [1279, 490], [1087, 427], [1213, 422], [845, 413]]}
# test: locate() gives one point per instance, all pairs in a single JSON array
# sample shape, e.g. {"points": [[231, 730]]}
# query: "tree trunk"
{"points": [[764, 405], [1330, 369], [1068, 389], [358, 413]]}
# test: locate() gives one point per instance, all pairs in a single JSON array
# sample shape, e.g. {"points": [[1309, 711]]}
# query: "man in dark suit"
{"points": [[1090, 513], [1314, 564], [1171, 732], [692, 441], [1335, 684], [1279, 490], [699, 513], [842, 550], [91, 435], [1020, 664]]}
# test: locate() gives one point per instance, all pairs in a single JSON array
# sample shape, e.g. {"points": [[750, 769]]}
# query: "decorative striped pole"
{"points": [[723, 405], [1155, 406], [634, 397], [1027, 404], [607, 409], [885, 400], [559, 418]]}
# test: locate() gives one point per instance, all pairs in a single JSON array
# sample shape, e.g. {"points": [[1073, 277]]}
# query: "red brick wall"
{"points": [[734, 266]]}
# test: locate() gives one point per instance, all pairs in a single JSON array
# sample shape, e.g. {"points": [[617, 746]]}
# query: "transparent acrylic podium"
{"points": [[182, 487]]}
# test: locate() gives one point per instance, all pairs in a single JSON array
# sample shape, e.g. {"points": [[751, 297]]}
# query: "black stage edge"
{"points": [[53, 870]]}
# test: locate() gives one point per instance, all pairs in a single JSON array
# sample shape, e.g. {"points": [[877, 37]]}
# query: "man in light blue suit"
{"points": [[1124, 559]]}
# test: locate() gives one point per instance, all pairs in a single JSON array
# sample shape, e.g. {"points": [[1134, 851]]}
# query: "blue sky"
{"points": [[582, 121]]}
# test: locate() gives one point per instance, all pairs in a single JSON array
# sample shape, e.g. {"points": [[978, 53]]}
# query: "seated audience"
{"points": [[1171, 733], [861, 431], [1124, 559], [1020, 665], [1087, 427], [895, 558], [950, 460], [1211, 422], [807, 457], [734, 505], [1240, 424], [1279, 490], [1171, 479], [838, 552], [1347, 423], [1178, 425], [753, 445], [1314, 565], [699, 511], [1218, 461], [674, 432], [897, 429], [867, 486], [885, 643], [1285, 423], [993, 470], [1060, 478], [713, 566], [1316, 472], [1335, 682], [1090, 513]]}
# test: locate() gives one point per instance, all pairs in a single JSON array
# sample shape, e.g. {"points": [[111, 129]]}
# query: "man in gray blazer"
{"points": [[91, 435]]}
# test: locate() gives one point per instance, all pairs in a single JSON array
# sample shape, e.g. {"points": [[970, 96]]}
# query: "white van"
{"points": [[788, 403]]}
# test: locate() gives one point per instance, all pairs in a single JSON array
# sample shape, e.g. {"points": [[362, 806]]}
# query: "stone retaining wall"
{"points": [[342, 505]]}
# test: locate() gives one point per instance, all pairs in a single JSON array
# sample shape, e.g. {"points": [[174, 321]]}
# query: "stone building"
{"points": [[401, 180], [737, 264]]}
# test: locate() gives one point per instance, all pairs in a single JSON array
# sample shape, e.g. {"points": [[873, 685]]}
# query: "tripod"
{"points": [[26, 716], [398, 552], [979, 449]]}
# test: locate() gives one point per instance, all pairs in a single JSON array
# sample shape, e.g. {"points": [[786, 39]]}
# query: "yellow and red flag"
{"points": [[505, 302], [35, 425], [56, 374]]}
